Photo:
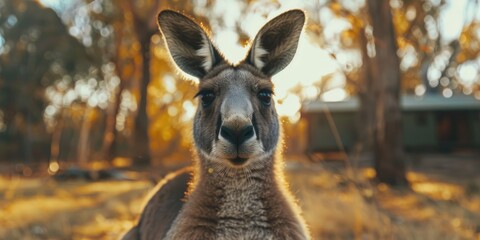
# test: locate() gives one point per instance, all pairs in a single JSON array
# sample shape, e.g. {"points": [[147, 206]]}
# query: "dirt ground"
{"points": [[443, 202]]}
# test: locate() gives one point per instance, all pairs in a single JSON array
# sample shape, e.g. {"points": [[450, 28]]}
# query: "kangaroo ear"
{"points": [[189, 45], [276, 43]]}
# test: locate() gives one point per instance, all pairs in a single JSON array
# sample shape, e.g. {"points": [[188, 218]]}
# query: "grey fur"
{"points": [[227, 200]]}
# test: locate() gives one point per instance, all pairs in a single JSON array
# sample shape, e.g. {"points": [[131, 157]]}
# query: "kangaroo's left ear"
{"points": [[189, 45], [276, 43]]}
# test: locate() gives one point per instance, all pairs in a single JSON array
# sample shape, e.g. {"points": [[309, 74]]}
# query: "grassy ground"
{"points": [[338, 208], [439, 205]]}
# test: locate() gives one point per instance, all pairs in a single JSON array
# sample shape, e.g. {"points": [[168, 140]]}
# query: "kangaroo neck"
{"points": [[241, 193], [237, 181], [236, 196]]}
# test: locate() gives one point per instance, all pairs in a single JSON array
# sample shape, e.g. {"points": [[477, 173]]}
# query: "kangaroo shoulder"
{"points": [[166, 201]]}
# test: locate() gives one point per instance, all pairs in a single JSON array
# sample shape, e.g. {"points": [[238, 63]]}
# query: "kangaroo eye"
{"points": [[207, 97], [265, 97]]}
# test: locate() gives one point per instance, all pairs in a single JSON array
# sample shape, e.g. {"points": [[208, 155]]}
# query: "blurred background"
{"points": [[380, 110]]}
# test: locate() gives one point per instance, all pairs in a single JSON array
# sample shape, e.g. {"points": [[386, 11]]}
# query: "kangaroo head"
{"points": [[236, 123]]}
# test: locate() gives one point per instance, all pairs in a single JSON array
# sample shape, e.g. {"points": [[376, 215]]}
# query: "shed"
{"points": [[430, 123]]}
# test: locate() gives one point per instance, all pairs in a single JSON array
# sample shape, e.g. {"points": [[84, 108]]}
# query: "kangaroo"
{"points": [[236, 190]]}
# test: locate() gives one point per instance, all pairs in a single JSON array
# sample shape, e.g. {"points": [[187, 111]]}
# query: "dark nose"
{"points": [[237, 137]]}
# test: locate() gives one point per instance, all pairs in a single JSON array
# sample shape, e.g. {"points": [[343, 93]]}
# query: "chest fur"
{"points": [[233, 211], [243, 214]]}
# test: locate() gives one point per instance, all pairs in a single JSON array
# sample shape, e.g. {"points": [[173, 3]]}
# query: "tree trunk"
{"points": [[366, 114], [110, 136], [141, 139], [388, 148], [83, 150], [57, 137]]}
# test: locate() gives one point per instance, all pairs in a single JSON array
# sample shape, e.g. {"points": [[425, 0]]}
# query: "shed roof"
{"points": [[408, 102]]}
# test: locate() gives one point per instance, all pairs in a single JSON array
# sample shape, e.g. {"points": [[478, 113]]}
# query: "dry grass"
{"points": [[334, 206], [337, 208], [45, 209]]}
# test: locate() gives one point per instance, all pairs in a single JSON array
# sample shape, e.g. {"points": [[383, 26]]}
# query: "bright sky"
{"points": [[453, 18]]}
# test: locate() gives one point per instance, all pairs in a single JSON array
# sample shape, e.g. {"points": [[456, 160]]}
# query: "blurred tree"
{"points": [[35, 51], [117, 50], [134, 31], [421, 51], [385, 85], [143, 16], [370, 35]]}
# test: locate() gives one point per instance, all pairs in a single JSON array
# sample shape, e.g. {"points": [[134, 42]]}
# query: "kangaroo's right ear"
{"points": [[189, 45]]}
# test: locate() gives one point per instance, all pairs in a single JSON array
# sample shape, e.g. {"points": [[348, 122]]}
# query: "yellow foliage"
{"points": [[401, 42], [357, 23], [469, 42], [336, 8], [348, 36], [400, 21]]}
